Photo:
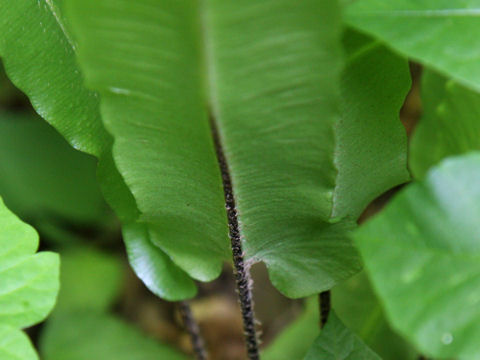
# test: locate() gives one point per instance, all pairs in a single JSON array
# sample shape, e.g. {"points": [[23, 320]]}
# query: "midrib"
{"points": [[242, 275]]}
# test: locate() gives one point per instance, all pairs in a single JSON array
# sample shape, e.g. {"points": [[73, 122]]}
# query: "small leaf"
{"points": [[28, 284], [336, 342], [449, 125], [429, 31], [422, 254], [15, 345], [98, 336], [29, 281]]}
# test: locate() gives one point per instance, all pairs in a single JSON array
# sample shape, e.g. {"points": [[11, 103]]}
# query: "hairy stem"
{"points": [[193, 331], [325, 304], [242, 274]]}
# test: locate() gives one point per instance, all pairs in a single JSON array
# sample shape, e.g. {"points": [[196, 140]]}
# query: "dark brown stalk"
{"points": [[242, 274], [191, 327], [324, 304]]}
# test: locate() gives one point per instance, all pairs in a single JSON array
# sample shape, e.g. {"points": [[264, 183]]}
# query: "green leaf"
{"points": [[429, 31], [15, 345], [295, 340], [156, 270], [90, 279], [371, 153], [449, 125], [267, 121], [355, 302], [39, 57], [28, 284], [97, 336], [337, 342], [422, 254], [42, 177]]}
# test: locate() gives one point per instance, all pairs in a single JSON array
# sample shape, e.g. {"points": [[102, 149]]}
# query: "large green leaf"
{"points": [[449, 125], [39, 57], [161, 65], [145, 59], [422, 254], [97, 336], [337, 342], [429, 31], [28, 284]]}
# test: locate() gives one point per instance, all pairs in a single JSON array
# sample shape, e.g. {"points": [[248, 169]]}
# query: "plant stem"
{"points": [[193, 331], [242, 273], [325, 304]]}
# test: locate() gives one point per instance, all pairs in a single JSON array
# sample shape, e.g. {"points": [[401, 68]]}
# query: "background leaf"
{"points": [[449, 125], [429, 31], [42, 178], [336, 342], [422, 253], [295, 340], [98, 336], [90, 279], [355, 302]]}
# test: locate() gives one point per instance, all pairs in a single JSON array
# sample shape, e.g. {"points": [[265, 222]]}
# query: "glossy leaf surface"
{"points": [[38, 52], [337, 342], [28, 285], [429, 31], [422, 255], [449, 125]]}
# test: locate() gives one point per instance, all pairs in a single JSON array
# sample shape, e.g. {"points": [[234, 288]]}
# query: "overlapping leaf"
{"points": [[336, 342], [371, 150], [422, 254], [28, 284], [432, 32], [39, 56], [449, 125], [355, 302]]}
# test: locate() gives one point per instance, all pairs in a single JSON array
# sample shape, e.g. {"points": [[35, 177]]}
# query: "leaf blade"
{"points": [[428, 31], [433, 246]]}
